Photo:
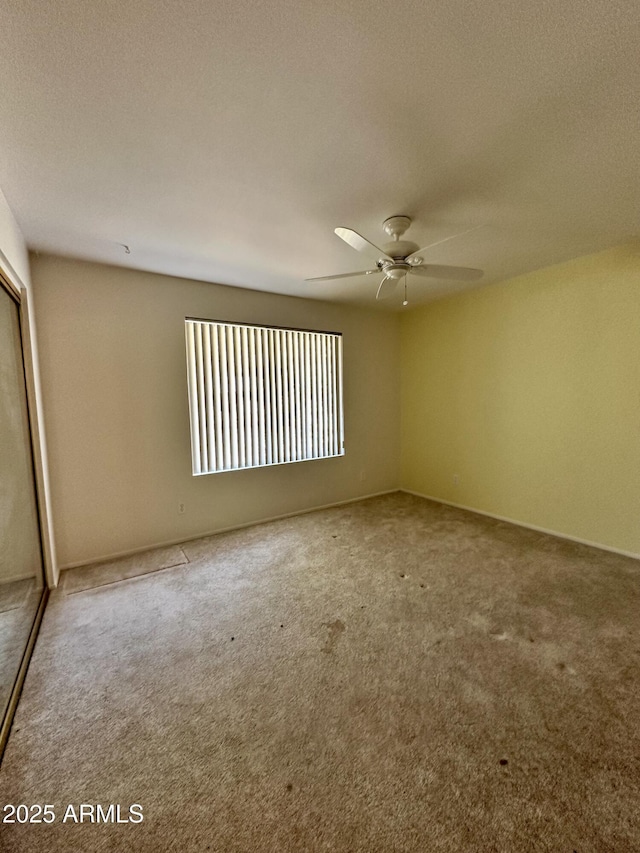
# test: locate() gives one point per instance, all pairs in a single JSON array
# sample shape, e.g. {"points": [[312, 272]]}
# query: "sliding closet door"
{"points": [[21, 568]]}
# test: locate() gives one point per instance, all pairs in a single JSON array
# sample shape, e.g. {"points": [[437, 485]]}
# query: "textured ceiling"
{"points": [[225, 141]]}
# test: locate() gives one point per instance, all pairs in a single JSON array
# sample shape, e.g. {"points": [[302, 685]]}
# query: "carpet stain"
{"points": [[497, 634], [336, 628]]}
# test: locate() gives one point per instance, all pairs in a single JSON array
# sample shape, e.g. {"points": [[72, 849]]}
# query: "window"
{"points": [[262, 396]]}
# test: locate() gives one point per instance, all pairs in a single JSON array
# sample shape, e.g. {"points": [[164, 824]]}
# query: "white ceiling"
{"points": [[225, 141]]}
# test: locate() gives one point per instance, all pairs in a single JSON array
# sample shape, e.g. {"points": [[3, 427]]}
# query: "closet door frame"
{"points": [[20, 297]]}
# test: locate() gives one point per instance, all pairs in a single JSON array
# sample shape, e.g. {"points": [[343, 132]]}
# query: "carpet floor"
{"points": [[390, 675]]}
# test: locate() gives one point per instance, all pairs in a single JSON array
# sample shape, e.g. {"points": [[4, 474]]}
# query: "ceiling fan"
{"points": [[399, 258]]}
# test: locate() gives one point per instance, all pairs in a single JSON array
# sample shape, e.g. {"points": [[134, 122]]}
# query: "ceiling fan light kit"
{"points": [[399, 258]]}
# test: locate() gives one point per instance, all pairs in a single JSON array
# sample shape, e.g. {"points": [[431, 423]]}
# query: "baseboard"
{"points": [[535, 527], [19, 577], [130, 552]]}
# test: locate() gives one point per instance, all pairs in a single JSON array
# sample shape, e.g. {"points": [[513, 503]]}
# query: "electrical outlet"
{"points": [[363, 476], [181, 509], [456, 479]]}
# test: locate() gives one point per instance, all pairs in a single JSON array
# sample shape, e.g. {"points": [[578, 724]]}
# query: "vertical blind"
{"points": [[262, 396]]}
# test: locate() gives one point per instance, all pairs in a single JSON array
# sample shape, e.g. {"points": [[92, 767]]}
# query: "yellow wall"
{"points": [[112, 356], [529, 391]]}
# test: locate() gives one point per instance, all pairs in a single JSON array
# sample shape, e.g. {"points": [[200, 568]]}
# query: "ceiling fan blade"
{"points": [[341, 275], [387, 288], [445, 240], [356, 241], [453, 273]]}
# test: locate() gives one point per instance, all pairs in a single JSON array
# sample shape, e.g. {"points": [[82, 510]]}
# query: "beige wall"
{"points": [[529, 391], [113, 370]]}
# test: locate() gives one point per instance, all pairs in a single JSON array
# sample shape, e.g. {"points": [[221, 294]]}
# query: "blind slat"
{"points": [[217, 398], [202, 411], [233, 396], [309, 402], [293, 414], [284, 397], [239, 400], [330, 413], [208, 389], [261, 398], [253, 384], [226, 413], [339, 399], [325, 397], [194, 417], [266, 360], [275, 435], [314, 396], [279, 406]]}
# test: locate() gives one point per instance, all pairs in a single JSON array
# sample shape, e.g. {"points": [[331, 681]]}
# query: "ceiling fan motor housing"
{"points": [[400, 249], [395, 271]]}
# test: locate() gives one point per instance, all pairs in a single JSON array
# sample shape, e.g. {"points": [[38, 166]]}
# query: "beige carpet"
{"points": [[393, 675]]}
